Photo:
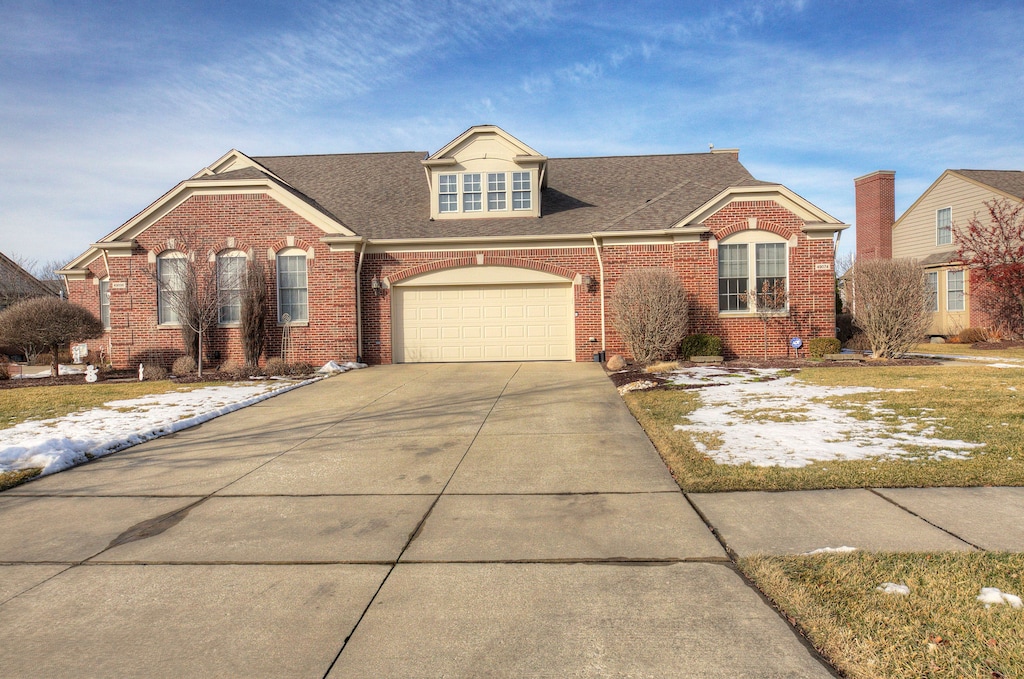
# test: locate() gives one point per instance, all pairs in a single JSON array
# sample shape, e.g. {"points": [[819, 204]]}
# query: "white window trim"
{"points": [[485, 193], [962, 290], [162, 257], [234, 254], [753, 237], [933, 275], [291, 252], [937, 232]]}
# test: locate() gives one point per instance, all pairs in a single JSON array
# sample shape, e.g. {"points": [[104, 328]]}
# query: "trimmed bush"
{"points": [[651, 311], [184, 365], [820, 346], [300, 368], [152, 372], [700, 344], [972, 335], [5, 370]]}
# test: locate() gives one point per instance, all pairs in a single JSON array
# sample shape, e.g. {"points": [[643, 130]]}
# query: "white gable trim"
{"points": [[801, 207], [525, 153]]}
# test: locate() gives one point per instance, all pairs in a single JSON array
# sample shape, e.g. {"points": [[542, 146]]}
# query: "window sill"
{"points": [[750, 314], [294, 324], [168, 326]]}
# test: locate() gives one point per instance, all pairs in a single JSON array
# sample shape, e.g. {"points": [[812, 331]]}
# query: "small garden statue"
{"points": [[90, 372], [142, 372]]}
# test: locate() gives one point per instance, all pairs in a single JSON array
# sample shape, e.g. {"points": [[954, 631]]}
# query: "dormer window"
{"points": [[448, 200], [521, 191], [496, 197], [471, 192]]}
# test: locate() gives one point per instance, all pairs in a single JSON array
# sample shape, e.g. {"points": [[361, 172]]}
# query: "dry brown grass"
{"points": [[938, 630]]}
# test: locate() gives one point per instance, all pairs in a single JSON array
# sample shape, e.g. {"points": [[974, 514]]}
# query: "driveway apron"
{"points": [[498, 519]]}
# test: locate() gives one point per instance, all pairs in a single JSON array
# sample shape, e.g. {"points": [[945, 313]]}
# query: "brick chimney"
{"points": [[876, 213]]}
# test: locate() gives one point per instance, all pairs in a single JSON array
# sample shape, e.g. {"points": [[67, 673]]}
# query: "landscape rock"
{"points": [[616, 362]]}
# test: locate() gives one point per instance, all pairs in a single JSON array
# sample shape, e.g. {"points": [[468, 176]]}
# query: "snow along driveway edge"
{"points": [[57, 454]]}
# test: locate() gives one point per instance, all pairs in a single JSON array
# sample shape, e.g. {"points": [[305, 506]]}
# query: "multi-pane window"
{"points": [[292, 291], [770, 275], [170, 273], [105, 302], [932, 282], [955, 290], [471, 192], [521, 191], [230, 280], [752, 276], [448, 186], [944, 226], [496, 197], [733, 275]]}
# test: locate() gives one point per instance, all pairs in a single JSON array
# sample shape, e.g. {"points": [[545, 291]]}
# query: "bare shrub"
{"points": [[152, 372], [972, 335], [276, 367], [650, 309], [301, 368], [891, 304], [184, 365], [254, 312], [47, 323]]}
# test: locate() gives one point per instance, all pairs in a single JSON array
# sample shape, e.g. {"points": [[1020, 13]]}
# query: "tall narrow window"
{"points": [[521, 198], [292, 292], [932, 282], [733, 273], [230, 280], [170, 271], [472, 193], [770, 275], [448, 188], [496, 196], [944, 226], [955, 290], [105, 302]]}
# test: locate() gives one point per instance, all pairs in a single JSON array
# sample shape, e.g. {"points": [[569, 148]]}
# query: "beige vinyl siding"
{"points": [[914, 233]]}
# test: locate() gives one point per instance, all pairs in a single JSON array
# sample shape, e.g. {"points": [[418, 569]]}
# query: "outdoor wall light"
{"points": [[587, 280], [379, 287]]}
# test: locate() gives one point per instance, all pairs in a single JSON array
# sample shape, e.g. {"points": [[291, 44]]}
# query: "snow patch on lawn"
{"points": [[59, 443], [766, 417], [992, 595], [831, 550], [893, 588]]}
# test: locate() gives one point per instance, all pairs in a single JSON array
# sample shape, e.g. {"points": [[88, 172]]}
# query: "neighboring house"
{"points": [[17, 284], [925, 232], [483, 251]]}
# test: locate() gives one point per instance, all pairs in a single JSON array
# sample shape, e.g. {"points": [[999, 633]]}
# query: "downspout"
{"points": [[600, 266], [359, 303]]}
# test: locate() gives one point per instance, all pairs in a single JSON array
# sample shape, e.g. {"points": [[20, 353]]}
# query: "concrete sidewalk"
{"points": [[883, 519], [416, 520]]}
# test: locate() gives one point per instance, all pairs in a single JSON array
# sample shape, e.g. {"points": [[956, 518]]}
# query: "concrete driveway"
{"points": [[433, 520]]}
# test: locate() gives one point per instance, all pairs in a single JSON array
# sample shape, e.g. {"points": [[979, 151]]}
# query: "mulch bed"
{"points": [[633, 373], [996, 346]]}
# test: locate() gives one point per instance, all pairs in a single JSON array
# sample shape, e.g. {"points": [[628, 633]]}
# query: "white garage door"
{"points": [[506, 322]]}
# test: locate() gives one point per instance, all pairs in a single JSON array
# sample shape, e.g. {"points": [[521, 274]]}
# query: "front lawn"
{"points": [[968, 350], [938, 629], [963, 403]]}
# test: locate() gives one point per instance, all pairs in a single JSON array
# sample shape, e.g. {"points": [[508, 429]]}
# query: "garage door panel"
{"points": [[483, 323]]}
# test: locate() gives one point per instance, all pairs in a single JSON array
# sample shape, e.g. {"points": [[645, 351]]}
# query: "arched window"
{"points": [[230, 281], [170, 273], [292, 291], [753, 272], [105, 302]]}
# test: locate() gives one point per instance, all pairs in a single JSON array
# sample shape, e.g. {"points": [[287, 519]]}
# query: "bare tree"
{"points": [[891, 304], [993, 249], [769, 304], [254, 311], [651, 310], [47, 322]]}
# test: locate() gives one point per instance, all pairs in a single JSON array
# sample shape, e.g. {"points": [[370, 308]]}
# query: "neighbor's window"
{"points": [[496, 196], [230, 281], [521, 199], [448, 187], [105, 302], [932, 281], [170, 272], [944, 226], [955, 290], [471, 192], [292, 292]]}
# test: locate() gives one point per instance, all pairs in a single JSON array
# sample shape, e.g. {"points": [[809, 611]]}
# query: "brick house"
{"points": [[925, 232], [485, 250]]}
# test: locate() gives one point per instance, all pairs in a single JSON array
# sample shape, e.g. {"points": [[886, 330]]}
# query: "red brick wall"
{"points": [[259, 223], [876, 213]]}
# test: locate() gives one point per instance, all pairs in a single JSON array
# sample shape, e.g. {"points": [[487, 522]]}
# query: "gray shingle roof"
{"points": [[1007, 181], [385, 195]]}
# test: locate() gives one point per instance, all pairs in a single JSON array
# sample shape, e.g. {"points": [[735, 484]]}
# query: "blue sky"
{"points": [[105, 106]]}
